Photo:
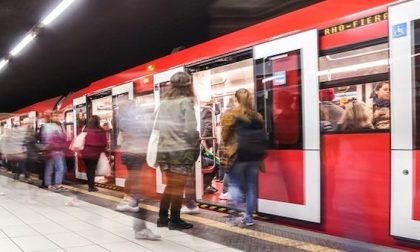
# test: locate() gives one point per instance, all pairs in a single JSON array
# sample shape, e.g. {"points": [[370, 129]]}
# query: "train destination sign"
{"points": [[355, 24]]}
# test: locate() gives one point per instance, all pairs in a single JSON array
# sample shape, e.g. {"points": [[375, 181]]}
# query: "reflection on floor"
{"points": [[32, 219]]}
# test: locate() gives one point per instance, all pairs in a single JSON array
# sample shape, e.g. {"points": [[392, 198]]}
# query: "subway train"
{"points": [[356, 179]]}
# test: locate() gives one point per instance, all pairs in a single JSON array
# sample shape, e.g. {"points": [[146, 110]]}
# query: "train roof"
{"points": [[315, 16], [40, 107]]}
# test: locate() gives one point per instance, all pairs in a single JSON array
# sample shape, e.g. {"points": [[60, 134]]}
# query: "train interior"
{"points": [[215, 88], [351, 76]]}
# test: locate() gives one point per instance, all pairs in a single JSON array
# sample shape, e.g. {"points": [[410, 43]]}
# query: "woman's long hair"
{"points": [[244, 100], [181, 86], [356, 116], [243, 96], [93, 122]]}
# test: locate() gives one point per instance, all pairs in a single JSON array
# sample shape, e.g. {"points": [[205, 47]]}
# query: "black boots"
{"points": [[179, 225], [162, 222], [174, 225]]}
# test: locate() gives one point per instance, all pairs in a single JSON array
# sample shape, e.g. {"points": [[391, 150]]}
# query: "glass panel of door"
{"points": [[279, 98]]}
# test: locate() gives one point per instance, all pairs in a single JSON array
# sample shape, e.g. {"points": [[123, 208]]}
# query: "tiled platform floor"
{"points": [[32, 219]]}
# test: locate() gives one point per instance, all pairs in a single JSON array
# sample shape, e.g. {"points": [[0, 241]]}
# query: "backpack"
{"points": [[251, 140]]}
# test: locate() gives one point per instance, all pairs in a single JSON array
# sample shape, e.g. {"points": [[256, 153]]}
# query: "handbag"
{"points": [[78, 142], [207, 169], [103, 168], [152, 146]]}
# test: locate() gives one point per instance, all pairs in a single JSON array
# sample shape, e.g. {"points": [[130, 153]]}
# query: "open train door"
{"points": [[287, 96], [161, 82], [79, 120], [404, 40]]}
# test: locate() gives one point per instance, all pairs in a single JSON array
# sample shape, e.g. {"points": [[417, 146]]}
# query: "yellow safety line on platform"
{"points": [[216, 224]]}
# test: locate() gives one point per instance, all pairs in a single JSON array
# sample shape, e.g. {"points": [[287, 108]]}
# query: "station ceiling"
{"points": [[93, 39]]}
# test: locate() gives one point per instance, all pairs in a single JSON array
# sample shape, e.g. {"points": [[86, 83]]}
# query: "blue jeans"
{"points": [[244, 175], [56, 164]]}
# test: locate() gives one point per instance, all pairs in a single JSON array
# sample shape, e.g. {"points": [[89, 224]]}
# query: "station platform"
{"points": [[34, 219]]}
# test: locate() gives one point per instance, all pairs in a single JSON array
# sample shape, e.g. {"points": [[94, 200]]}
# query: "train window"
{"points": [[102, 107], [146, 104], [355, 107], [81, 117], [216, 87], [416, 75], [68, 123], [355, 90], [279, 97], [128, 113], [354, 63], [164, 88]]}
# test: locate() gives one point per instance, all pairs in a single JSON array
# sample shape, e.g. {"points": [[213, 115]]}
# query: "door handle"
{"points": [[405, 172]]}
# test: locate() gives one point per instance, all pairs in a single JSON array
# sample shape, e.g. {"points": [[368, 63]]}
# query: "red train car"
{"points": [[357, 178]]}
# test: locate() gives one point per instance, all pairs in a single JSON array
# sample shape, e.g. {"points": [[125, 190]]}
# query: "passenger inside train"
{"points": [[350, 108]]}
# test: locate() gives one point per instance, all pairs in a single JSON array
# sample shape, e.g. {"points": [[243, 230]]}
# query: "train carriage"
{"points": [[356, 182]]}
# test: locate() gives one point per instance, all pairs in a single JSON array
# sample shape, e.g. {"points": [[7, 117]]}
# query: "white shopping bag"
{"points": [[103, 168], [78, 142]]}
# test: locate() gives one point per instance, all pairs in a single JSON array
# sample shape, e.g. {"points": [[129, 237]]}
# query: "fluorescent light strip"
{"points": [[56, 12], [354, 67], [3, 63], [331, 58], [28, 38], [33, 33]]}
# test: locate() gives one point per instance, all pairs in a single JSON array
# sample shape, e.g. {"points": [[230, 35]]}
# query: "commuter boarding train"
{"points": [[360, 181]]}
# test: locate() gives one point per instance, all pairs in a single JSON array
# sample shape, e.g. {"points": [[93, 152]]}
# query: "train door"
{"points": [[32, 120], [69, 130], [287, 96], [79, 122], [120, 94], [215, 83], [161, 81], [100, 104], [404, 40]]}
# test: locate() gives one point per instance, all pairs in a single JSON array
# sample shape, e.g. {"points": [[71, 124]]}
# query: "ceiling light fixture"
{"points": [[35, 31], [25, 41], [56, 12], [3, 63]]}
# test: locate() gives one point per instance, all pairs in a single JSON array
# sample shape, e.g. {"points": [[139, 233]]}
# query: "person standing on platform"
{"points": [[95, 143], [55, 139], [178, 147]]}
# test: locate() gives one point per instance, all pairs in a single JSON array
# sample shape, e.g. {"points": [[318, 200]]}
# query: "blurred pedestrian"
{"points": [[55, 140], [134, 133], [14, 148], [178, 147], [95, 144]]}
